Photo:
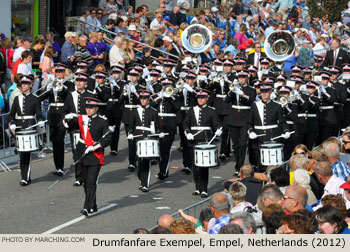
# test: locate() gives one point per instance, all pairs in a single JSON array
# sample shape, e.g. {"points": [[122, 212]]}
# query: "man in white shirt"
{"points": [[26, 45], [157, 21], [184, 6], [324, 174], [116, 55]]}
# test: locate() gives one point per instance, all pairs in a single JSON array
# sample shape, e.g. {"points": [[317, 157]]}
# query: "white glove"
{"points": [[49, 86], [303, 88], [130, 137], [286, 135], [162, 135], [273, 96], [188, 87], [68, 116], [218, 132], [322, 89], [161, 94], [150, 88], [41, 124], [213, 74], [132, 88], [190, 136], [13, 127], [89, 149], [222, 82], [252, 135], [111, 128], [237, 91]]}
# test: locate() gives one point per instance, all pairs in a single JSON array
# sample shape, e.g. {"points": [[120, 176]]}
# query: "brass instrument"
{"points": [[196, 38], [168, 91], [279, 45], [283, 101], [234, 84]]}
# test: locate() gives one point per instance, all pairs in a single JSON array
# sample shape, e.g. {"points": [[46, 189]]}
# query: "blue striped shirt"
{"points": [[340, 169], [220, 222]]}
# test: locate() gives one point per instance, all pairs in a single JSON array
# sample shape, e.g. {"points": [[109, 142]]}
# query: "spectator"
{"points": [[238, 193], [202, 222], [182, 226], [107, 8], [269, 194], [336, 201], [102, 47], [330, 221], [93, 21], [140, 231], [291, 61], [160, 230], [26, 45], [68, 51], [25, 67], [280, 177], [17, 42], [93, 49], [47, 63], [7, 52], [245, 220], [37, 50], [295, 224], [220, 208], [295, 198], [82, 27], [231, 229], [339, 168], [121, 26], [107, 36], [304, 54], [82, 52], [301, 177], [55, 45], [116, 55], [176, 17], [15, 90], [184, 6], [241, 35], [165, 221]]}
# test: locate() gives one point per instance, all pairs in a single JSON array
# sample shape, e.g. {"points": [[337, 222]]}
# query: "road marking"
{"points": [[134, 196], [162, 207], [216, 177], [168, 182], [157, 198], [53, 230]]}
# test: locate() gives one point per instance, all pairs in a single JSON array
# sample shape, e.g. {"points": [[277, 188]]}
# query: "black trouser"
{"points": [[200, 175], [225, 137], [144, 171], [337, 125], [252, 159], [90, 177], [25, 165], [308, 139], [57, 135], [132, 147], [183, 139], [165, 153], [78, 166], [324, 132], [239, 137], [115, 135]]}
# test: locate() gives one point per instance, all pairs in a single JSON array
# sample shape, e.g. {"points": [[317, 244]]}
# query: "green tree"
{"points": [[319, 8]]}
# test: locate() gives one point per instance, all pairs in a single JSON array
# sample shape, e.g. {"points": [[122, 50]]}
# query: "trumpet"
{"points": [[168, 91], [283, 101], [233, 85]]}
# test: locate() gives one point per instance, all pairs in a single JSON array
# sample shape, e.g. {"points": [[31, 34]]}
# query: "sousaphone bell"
{"points": [[196, 38]]}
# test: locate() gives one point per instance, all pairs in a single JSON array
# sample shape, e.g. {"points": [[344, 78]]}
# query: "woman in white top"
{"points": [[25, 67], [238, 191]]}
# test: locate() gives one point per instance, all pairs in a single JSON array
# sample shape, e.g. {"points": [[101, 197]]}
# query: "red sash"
{"points": [[89, 141]]}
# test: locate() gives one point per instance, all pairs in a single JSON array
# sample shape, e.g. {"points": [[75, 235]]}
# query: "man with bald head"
{"points": [[340, 169], [295, 198], [220, 208], [165, 221]]}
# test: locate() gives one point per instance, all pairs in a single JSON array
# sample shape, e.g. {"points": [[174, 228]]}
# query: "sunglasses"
{"points": [[299, 153], [346, 142], [286, 197], [99, 13], [93, 12]]}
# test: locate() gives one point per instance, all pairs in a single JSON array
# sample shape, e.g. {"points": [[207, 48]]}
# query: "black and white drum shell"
{"points": [[27, 140], [147, 148], [271, 153], [206, 155]]}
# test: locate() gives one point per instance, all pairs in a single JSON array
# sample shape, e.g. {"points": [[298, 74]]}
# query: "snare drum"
{"points": [[147, 148], [271, 153], [205, 155], [27, 140]]}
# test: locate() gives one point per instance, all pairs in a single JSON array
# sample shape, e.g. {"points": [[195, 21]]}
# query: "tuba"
{"points": [[196, 38], [279, 45]]}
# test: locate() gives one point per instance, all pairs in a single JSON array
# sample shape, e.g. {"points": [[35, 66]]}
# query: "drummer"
{"points": [[25, 109], [267, 120], [144, 121], [94, 137], [200, 118]]}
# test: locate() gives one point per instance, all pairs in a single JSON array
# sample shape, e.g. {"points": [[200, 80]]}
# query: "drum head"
{"points": [[204, 146], [26, 132], [271, 145]]}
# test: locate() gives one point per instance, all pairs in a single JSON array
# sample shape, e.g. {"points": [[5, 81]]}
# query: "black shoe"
{"points": [[154, 162], [59, 172], [131, 168], [78, 183], [114, 153], [196, 192], [23, 182], [85, 212], [222, 157], [93, 210], [144, 189], [140, 187], [161, 176], [180, 149], [186, 170], [204, 194]]}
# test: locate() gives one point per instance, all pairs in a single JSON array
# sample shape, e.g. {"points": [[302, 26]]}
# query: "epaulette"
{"points": [[92, 92], [103, 117]]}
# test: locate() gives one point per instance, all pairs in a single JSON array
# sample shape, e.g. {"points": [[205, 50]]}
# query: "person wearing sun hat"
{"points": [[25, 111], [200, 117], [94, 137], [144, 121]]}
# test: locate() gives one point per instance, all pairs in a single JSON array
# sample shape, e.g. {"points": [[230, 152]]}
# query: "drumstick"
{"points": [[198, 133], [272, 139], [260, 135], [213, 137], [34, 125], [158, 134]]}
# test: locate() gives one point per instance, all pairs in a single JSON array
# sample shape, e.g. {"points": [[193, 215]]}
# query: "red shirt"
{"points": [[15, 66], [10, 53]]}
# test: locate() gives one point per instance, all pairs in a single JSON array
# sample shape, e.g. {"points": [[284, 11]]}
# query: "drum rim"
{"points": [[205, 146], [27, 132]]}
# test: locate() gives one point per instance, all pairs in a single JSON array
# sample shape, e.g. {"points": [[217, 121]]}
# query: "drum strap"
{"points": [[88, 139]]}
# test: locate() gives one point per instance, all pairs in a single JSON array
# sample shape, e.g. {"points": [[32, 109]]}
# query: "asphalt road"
{"points": [[37, 209]]}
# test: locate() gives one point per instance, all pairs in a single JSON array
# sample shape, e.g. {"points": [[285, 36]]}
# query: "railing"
{"points": [[193, 210]]}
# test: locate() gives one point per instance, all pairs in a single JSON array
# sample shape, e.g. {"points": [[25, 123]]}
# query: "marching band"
{"points": [[247, 106]]}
